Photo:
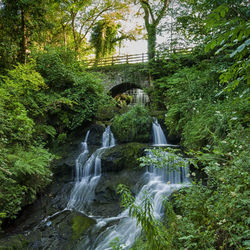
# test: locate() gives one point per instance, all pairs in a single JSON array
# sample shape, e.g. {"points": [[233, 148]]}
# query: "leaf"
{"points": [[247, 42], [213, 44], [246, 243], [233, 53], [241, 47], [219, 50]]}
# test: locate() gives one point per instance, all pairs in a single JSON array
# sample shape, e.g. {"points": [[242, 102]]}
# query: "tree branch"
{"points": [[149, 9], [146, 12], [94, 20], [162, 11]]}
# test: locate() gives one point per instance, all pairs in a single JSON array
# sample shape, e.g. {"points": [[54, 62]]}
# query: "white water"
{"points": [[159, 138], [159, 184], [88, 172], [139, 96]]}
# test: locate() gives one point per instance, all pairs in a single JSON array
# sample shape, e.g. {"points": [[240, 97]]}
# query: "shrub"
{"points": [[134, 125], [24, 168]]}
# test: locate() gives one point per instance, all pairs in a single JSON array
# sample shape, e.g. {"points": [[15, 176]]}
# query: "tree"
{"points": [[82, 16], [154, 11], [225, 28], [105, 36], [21, 20]]}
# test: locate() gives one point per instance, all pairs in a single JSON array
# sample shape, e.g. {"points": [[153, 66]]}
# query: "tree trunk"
{"points": [[24, 43], [151, 41], [74, 33], [64, 36]]}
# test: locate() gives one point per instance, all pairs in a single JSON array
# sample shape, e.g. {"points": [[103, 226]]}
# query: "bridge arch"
{"points": [[131, 89], [123, 87]]}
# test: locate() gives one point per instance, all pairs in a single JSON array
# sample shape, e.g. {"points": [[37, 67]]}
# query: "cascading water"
{"points": [[159, 138], [159, 183], [139, 96], [88, 172], [81, 158]]}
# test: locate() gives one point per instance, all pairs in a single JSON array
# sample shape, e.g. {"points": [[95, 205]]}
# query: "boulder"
{"points": [[61, 230], [124, 156], [95, 135]]}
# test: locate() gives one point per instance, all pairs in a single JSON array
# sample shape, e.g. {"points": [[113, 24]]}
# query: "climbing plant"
{"points": [[105, 37]]}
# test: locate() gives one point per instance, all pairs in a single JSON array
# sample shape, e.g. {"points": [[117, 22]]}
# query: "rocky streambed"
{"points": [[47, 224]]}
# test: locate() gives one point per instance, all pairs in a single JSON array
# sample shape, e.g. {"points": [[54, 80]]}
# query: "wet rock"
{"points": [[124, 156], [63, 168], [14, 242], [80, 224], [47, 225], [95, 135], [107, 201], [60, 231]]}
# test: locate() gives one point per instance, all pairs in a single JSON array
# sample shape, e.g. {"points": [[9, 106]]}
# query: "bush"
{"points": [[24, 169], [213, 124], [74, 94], [134, 125], [24, 173]]}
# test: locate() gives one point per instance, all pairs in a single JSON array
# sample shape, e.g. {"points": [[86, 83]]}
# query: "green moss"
{"points": [[14, 243], [122, 156], [80, 224]]}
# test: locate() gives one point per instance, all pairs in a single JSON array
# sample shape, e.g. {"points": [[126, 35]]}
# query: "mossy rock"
{"points": [[124, 156], [14, 242], [80, 224]]}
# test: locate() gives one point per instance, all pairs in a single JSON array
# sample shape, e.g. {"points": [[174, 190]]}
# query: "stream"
{"points": [[85, 213], [159, 183]]}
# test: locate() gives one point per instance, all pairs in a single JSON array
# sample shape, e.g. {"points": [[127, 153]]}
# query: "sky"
{"points": [[134, 47], [139, 46]]}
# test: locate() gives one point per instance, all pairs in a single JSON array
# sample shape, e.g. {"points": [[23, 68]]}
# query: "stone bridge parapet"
{"points": [[119, 78]]}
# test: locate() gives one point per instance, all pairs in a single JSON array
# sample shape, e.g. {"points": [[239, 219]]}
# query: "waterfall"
{"points": [[88, 172], [160, 182], [139, 96], [159, 138], [81, 158]]}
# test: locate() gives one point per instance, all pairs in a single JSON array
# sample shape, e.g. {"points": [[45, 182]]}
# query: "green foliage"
{"points": [[56, 66], [107, 110], [223, 29], [26, 107], [234, 40], [20, 23], [213, 124], [163, 157], [126, 198], [214, 216], [36, 109], [123, 99], [196, 110], [133, 125], [16, 92], [23, 173], [207, 102], [85, 85], [142, 212], [104, 37], [70, 85], [158, 235], [24, 168], [115, 244]]}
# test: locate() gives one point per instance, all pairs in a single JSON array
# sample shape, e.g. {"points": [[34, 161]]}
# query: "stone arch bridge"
{"points": [[120, 78], [124, 75]]}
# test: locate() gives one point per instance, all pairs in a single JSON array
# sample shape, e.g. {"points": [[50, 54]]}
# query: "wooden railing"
{"points": [[127, 59], [114, 60]]}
